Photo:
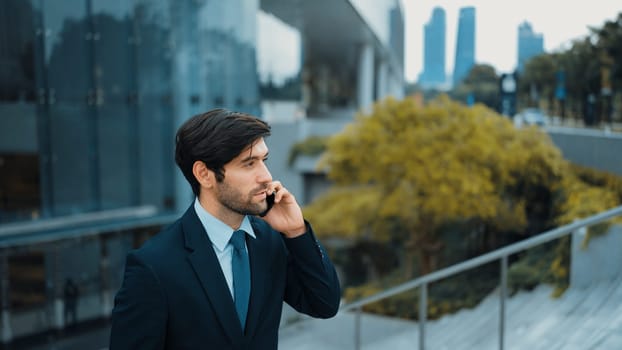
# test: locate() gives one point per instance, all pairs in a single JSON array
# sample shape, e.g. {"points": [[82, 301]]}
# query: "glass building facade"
{"points": [[91, 95], [530, 44], [433, 74], [465, 44], [385, 18]]}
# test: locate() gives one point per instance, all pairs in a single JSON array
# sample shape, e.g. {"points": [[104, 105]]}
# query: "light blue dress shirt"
{"points": [[219, 234]]}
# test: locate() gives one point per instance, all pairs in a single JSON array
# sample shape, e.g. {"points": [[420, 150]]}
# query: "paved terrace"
{"points": [[581, 319]]}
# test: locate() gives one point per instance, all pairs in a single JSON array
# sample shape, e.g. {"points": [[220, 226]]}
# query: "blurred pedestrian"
{"points": [[71, 294]]}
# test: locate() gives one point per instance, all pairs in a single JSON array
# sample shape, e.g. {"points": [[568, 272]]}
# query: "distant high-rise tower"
{"points": [[465, 44], [433, 75], [530, 44]]}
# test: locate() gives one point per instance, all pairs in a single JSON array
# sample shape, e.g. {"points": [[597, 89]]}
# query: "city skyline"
{"points": [[497, 25]]}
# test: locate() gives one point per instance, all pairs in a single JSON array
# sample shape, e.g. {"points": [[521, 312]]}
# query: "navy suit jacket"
{"points": [[174, 294]]}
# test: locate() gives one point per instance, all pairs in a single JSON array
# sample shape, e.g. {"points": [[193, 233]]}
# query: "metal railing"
{"points": [[499, 254], [55, 223], [82, 225]]}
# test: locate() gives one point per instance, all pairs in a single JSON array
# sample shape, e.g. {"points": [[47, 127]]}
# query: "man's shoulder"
{"points": [[163, 242]]}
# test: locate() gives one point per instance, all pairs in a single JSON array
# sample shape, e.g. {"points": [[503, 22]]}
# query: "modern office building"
{"points": [[433, 75], [530, 44], [396, 40], [91, 94], [352, 55], [465, 44]]}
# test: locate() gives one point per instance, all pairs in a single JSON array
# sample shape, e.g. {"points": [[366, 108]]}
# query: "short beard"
{"points": [[235, 201]]}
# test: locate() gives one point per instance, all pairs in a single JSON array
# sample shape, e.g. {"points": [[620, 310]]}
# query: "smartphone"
{"points": [[270, 201]]}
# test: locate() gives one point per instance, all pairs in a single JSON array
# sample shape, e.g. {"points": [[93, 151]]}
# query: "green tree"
{"points": [[538, 76], [581, 67], [590, 64], [483, 83], [609, 46], [610, 40], [584, 77]]}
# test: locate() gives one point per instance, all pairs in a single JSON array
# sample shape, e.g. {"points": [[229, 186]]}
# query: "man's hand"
{"points": [[286, 215]]}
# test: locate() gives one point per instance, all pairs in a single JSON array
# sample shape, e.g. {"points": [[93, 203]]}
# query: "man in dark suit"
{"points": [[194, 285]]}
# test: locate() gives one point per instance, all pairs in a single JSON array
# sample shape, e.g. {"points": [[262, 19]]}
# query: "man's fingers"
{"points": [[280, 194], [275, 186]]}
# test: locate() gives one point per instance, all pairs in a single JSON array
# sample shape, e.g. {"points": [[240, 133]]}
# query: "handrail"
{"points": [[501, 253], [18, 235], [486, 258], [76, 219]]}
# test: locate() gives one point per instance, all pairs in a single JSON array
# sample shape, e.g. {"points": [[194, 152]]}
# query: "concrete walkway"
{"points": [[581, 319]]}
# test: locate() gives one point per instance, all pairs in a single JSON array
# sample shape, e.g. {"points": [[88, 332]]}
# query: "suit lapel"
{"points": [[259, 252], [203, 260]]}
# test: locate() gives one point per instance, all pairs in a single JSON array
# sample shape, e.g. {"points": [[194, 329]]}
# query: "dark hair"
{"points": [[215, 138]]}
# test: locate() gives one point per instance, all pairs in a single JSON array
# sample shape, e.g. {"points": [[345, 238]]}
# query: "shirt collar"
{"points": [[217, 231]]}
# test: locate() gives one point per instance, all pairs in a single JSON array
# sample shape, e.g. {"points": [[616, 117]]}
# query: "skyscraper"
{"points": [[433, 75], [465, 44], [530, 44]]}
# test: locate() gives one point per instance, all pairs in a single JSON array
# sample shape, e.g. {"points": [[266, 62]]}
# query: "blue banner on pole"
{"points": [[560, 89]]}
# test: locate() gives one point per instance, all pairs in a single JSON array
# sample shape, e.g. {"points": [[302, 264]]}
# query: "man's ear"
{"points": [[204, 176]]}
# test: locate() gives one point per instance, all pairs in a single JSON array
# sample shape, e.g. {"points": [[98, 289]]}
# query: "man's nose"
{"points": [[264, 174]]}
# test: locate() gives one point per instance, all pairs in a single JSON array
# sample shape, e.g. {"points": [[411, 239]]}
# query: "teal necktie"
{"points": [[241, 275]]}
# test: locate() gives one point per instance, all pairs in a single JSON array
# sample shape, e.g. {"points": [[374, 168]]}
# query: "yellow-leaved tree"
{"points": [[404, 170]]}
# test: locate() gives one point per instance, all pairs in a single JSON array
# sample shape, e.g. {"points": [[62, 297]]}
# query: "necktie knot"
{"points": [[237, 240]]}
